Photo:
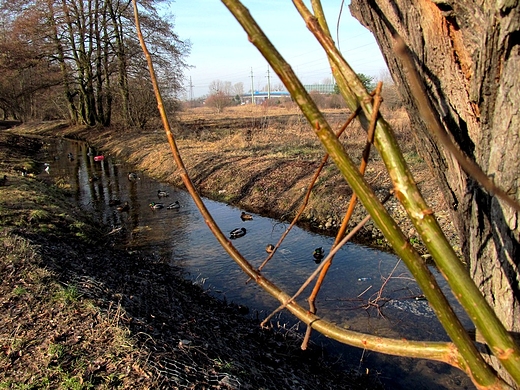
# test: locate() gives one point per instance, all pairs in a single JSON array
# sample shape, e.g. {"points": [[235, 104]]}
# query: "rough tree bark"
{"points": [[468, 55]]}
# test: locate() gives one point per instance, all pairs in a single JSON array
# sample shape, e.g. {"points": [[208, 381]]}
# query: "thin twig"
{"points": [[350, 210], [374, 301]]}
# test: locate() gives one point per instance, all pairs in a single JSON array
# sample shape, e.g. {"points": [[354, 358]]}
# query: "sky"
{"points": [[221, 51]]}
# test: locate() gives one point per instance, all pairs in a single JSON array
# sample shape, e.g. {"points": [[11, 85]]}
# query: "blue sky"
{"points": [[220, 49]]}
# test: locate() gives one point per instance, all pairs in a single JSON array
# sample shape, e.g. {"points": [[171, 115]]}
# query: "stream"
{"points": [[180, 236]]}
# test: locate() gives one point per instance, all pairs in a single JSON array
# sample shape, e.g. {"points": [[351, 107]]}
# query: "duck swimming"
{"points": [[124, 207], [162, 194], [114, 202], [269, 248], [246, 217], [132, 176], [238, 232], [156, 206], [318, 253], [174, 205]]}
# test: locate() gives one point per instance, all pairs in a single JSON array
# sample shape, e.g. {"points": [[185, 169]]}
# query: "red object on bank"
{"points": [[99, 158]]}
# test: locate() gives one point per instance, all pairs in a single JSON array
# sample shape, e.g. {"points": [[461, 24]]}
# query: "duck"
{"points": [[269, 248], [246, 217], [162, 194], [174, 205], [70, 156], [238, 232], [114, 202], [156, 206], [132, 176], [21, 170], [3, 181], [124, 207], [318, 253], [93, 178]]}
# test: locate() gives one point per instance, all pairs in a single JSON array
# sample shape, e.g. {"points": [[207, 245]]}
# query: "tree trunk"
{"points": [[468, 56]]}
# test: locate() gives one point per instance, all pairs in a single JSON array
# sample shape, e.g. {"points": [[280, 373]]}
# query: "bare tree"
{"points": [[238, 88], [89, 44], [220, 87], [24, 75], [219, 101]]}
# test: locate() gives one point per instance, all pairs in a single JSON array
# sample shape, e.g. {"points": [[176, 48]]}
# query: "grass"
{"points": [[19, 291], [38, 215], [67, 295], [43, 314]]}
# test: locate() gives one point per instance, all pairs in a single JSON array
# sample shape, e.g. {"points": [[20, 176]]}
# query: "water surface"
{"points": [[353, 295]]}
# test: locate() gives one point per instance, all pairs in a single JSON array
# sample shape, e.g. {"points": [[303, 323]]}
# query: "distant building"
{"points": [[321, 88], [260, 96]]}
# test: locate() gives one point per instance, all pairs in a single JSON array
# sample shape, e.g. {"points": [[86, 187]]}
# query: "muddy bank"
{"points": [[252, 163]]}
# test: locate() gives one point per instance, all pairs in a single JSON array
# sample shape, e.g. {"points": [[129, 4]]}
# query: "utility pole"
{"points": [[191, 93], [252, 88], [268, 84]]}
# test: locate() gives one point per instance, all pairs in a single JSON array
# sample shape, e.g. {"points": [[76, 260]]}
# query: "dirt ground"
{"points": [[78, 314]]}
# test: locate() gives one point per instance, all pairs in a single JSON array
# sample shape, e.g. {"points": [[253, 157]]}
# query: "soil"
{"points": [[76, 312]]}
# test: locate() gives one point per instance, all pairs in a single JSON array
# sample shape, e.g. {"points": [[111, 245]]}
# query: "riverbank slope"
{"points": [[262, 160]]}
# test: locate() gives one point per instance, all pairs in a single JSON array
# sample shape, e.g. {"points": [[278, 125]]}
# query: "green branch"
{"points": [[420, 214], [357, 95], [440, 351]]}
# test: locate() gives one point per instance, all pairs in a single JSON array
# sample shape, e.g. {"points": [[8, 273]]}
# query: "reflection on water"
{"points": [[182, 237]]}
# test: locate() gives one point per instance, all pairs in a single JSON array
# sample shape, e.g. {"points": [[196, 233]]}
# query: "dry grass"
{"points": [[51, 336], [275, 131]]}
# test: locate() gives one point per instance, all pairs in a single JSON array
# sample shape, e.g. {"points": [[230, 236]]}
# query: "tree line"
{"points": [[80, 60]]}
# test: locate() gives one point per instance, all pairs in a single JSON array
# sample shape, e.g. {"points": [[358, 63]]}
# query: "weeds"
{"points": [[414, 240], [38, 215], [56, 351], [19, 291], [16, 248], [67, 295], [74, 383]]}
